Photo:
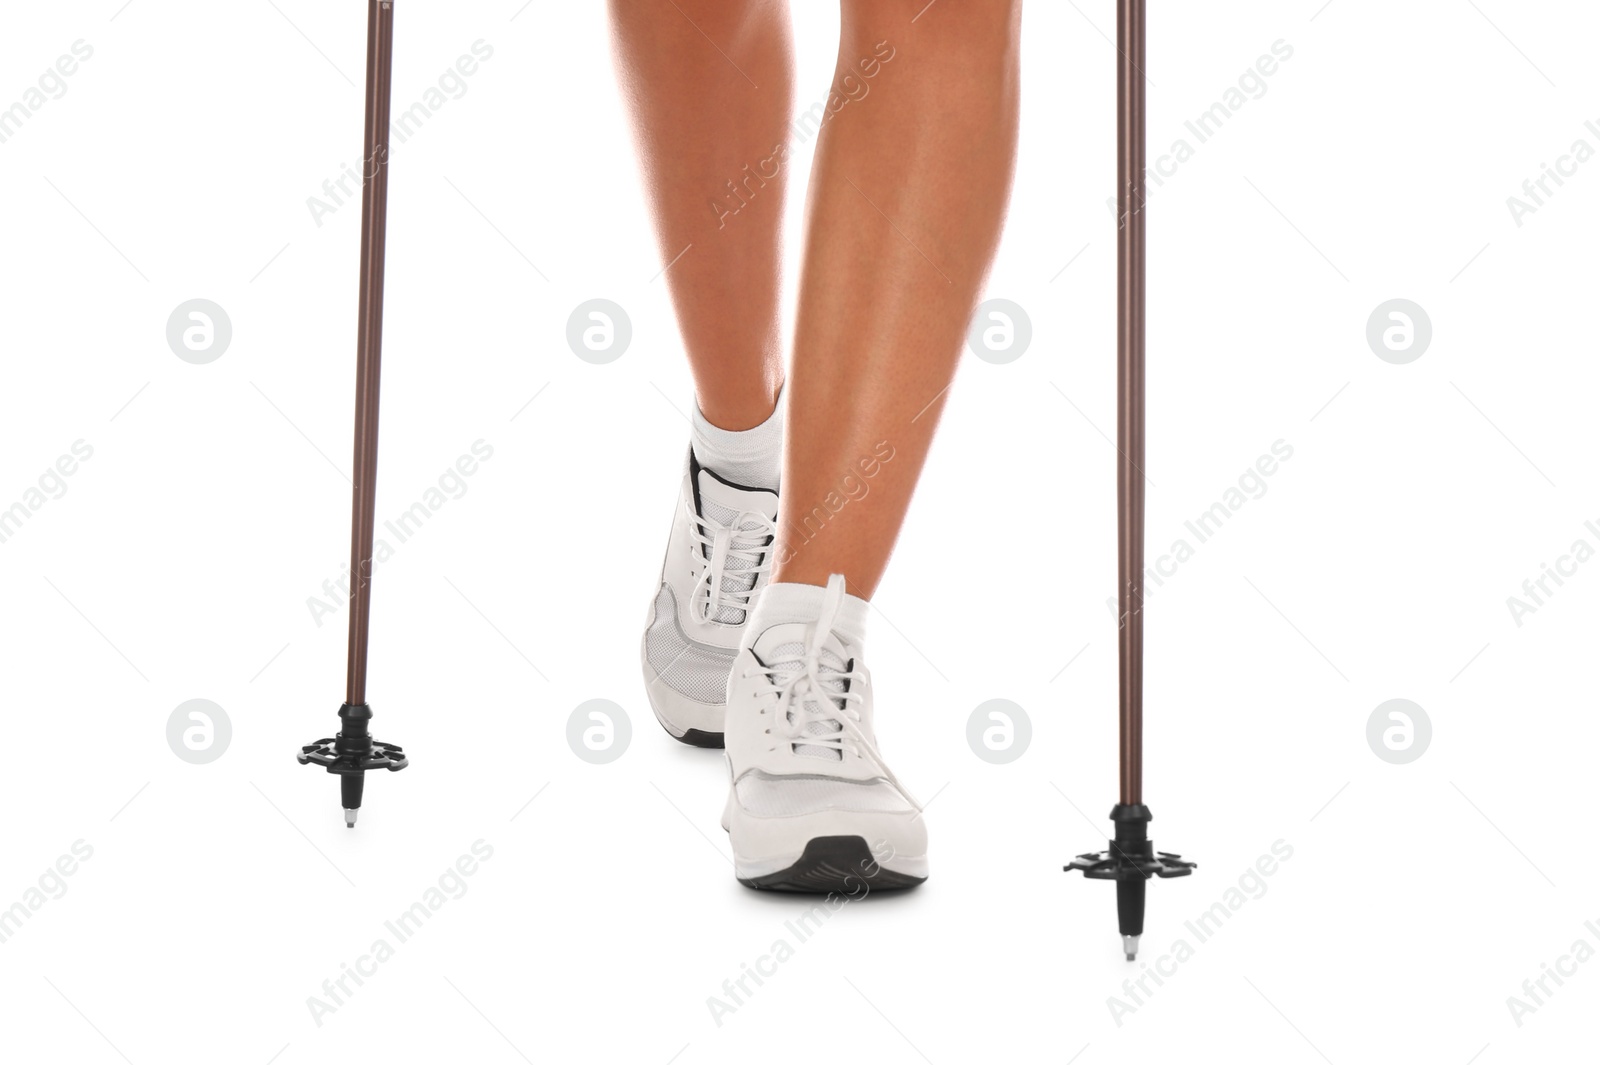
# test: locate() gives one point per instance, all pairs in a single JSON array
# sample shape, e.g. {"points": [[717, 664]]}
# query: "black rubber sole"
{"points": [[829, 864], [695, 738]]}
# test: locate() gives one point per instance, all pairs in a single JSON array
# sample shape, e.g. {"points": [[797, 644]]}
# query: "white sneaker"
{"points": [[812, 806], [717, 562]]}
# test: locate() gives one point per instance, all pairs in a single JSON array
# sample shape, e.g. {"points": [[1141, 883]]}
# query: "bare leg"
{"points": [[710, 87], [907, 197]]}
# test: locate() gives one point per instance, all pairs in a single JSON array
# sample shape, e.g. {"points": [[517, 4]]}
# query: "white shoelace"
{"points": [[815, 700], [722, 593]]}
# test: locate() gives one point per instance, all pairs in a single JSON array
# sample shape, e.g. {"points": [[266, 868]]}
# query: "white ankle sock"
{"points": [[750, 457], [784, 602]]}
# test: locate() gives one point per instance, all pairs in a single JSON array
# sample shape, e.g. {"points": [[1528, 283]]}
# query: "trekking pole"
{"points": [[1131, 861], [353, 751]]}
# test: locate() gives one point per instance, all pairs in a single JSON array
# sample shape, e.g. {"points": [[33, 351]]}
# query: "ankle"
{"points": [[742, 412], [752, 456]]}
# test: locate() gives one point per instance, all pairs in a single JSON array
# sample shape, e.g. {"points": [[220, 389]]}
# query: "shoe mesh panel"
{"points": [[693, 670]]}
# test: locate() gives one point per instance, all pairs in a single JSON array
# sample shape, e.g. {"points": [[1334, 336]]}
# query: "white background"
{"points": [[179, 562]]}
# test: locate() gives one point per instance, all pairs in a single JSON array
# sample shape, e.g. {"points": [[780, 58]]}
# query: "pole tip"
{"points": [[349, 819], [1130, 947]]}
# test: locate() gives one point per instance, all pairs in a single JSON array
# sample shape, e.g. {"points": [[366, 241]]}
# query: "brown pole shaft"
{"points": [[369, 338], [1130, 395]]}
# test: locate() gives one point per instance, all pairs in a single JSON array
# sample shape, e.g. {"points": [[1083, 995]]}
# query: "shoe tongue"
{"points": [[722, 503], [815, 724]]}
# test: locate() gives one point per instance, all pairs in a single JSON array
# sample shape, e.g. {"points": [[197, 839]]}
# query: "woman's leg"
{"points": [[709, 84], [907, 197]]}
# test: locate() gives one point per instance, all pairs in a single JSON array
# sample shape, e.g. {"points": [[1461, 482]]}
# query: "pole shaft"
{"points": [[1130, 394], [369, 338]]}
